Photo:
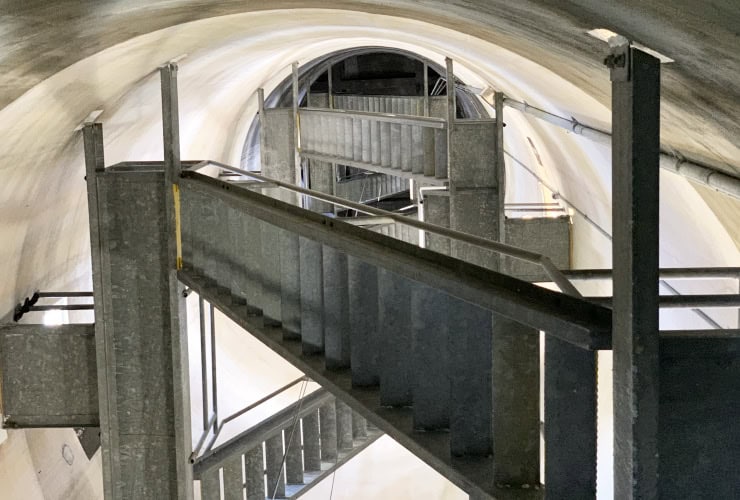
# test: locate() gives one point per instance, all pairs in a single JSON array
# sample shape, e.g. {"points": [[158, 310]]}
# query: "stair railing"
{"points": [[549, 268]]}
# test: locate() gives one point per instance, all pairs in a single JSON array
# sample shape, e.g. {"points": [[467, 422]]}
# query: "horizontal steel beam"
{"points": [[714, 333], [572, 319], [665, 273], [256, 435], [684, 301]]}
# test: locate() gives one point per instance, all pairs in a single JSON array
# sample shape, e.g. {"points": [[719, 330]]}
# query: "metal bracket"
{"points": [[619, 61]]}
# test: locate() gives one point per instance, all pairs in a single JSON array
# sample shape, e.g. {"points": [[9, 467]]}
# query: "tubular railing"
{"points": [[549, 268]]}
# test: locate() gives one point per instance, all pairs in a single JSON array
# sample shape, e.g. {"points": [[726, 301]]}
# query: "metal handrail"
{"points": [[422, 121], [550, 269], [217, 429]]}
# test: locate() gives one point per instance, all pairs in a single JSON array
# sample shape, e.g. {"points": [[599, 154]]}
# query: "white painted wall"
{"points": [[44, 225]]}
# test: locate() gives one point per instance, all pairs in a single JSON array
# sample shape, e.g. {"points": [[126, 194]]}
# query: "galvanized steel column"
{"points": [[635, 79]]}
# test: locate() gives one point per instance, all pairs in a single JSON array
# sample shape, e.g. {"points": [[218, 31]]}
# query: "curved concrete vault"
{"points": [[88, 56]]}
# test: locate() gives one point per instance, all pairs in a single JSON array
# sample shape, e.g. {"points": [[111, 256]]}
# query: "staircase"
{"points": [[407, 146], [301, 445], [398, 333]]}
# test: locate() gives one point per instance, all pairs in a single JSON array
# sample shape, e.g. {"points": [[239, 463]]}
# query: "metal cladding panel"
{"points": [[49, 376], [698, 435], [136, 329], [279, 144], [549, 236]]}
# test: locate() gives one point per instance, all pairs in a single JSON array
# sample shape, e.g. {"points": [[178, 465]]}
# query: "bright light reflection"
{"points": [[54, 317]]}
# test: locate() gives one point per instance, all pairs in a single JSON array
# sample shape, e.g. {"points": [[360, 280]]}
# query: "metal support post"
{"points": [[500, 164], [635, 79], [261, 110], [214, 378], [330, 75], [451, 108], [296, 126], [177, 308], [426, 90]]}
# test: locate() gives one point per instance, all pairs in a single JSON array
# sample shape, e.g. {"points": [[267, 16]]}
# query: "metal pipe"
{"points": [[202, 439], [705, 175], [203, 372], [63, 294], [262, 400], [68, 307], [214, 380], [555, 275]]}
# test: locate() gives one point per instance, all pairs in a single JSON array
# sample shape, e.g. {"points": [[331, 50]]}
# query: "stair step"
{"points": [[394, 317], [471, 473]]}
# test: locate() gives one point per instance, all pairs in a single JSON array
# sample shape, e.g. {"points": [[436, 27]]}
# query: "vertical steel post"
{"points": [[500, 166], [451, 107], [214, 378], [635, 78], [261, 110], [330, 75], [296, 126], [95, 163], [426, 90], [203, 363], [178, 331]]}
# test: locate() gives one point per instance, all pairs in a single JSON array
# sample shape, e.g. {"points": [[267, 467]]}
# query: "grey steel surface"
{"points": [[548, 236], [635, 222], [471, 389], [233, 478], [395, 339], [336, 309], [140, 457], [293, 453], [345, 437], [254, 468], [570, 421], [278, 144], [48, 376], [328, 431], [430, 364], [312, 295], [274, 469], [516, 403], [210, 485], [311, 441], [567, 317], [698, 439], [272, 274], [363, 321], [359, 426], [290, 284]]}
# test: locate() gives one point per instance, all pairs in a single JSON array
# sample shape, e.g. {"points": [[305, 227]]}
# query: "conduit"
{"points": [[707, 176]]}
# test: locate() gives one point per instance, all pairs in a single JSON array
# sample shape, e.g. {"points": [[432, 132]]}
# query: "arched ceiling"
{"points": [[61, 60]]}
